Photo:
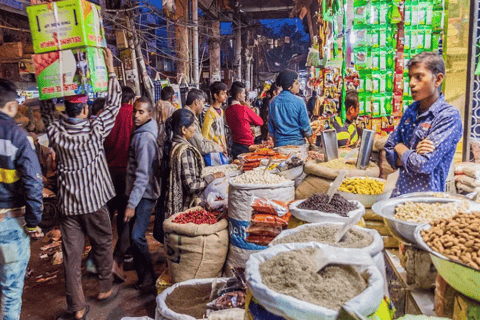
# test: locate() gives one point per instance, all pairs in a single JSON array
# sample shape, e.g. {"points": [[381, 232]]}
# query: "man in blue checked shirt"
{"points": [[424, 143]]}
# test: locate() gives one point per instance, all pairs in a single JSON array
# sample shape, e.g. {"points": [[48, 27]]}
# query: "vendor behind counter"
{"points": [[347, 131]]}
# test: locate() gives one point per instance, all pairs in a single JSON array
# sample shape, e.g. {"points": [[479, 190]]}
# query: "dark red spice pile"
{"points": [[198, 217]]}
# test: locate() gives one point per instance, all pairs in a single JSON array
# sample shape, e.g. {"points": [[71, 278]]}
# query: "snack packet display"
{"points": [[361, 12]]}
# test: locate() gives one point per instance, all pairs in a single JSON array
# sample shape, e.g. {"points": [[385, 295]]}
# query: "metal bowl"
{"points": [[368, 200], [405, 230], [461, 277]]}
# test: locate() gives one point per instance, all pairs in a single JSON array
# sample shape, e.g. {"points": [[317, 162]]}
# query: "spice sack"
{"points": [[240, 199], [195, 251], [365, 303]]}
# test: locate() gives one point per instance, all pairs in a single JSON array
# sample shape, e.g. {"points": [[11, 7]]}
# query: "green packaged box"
{"points": [[70, 72], [66, 25]]}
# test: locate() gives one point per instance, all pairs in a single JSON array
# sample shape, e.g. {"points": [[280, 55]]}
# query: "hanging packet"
{"points": [[428, 38], [376, 101], [414, 13], [425, 13], [375, 58], [437, 20], [361, 104], [360, 36], [361, 58], [376, 80], [407, 38], [383, 13], [360, 11], [408, 13], [386, 105], [368, 104], [368, 82], [389, 81], [374, 13]]}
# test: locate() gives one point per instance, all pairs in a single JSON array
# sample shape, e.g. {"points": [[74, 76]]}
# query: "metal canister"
{"points": [[330, 144], [365, 151]]}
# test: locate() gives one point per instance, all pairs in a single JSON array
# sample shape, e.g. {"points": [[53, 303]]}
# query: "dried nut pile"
{"points": [[457, 238], [214, 169], [257, 177], [362, 186], [421, 212]]}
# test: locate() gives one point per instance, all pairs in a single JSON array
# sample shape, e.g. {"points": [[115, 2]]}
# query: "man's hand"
{"points": [[218, 175], [34, 233], [108, 60], [129, 214], [425, 146]]}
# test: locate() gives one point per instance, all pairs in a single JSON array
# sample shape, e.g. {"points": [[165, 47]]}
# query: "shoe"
{"points": [[128, 263]]}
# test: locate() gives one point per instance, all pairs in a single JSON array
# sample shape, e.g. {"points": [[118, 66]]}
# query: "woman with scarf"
{"points": [[288, 122], [186, 183]]}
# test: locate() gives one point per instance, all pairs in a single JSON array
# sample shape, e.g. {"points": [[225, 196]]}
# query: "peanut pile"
{"points": [[457, 238]]}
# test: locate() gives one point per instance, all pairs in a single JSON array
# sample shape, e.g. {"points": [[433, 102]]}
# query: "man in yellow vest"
{"points": [[347, 131]]}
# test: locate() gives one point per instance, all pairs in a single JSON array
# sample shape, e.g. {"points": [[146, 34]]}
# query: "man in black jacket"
{"points": [[20, 202]]}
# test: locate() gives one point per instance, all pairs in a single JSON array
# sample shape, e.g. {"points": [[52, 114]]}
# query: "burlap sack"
{"points": [[312, 185], [330, 170], [195, 251], [385, 168], [379, 143]]}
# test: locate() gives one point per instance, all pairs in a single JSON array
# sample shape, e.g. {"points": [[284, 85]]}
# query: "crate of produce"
{"points": [[66, 25], [70, 72]]}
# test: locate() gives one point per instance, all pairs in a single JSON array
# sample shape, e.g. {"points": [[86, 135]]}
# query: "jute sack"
{"points": [[312, 185], [321, 169], [195, 251]]}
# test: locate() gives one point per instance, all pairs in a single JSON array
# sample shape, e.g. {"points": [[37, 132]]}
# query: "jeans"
{"points": [[141, 255], [238, 149], [15, 253]]}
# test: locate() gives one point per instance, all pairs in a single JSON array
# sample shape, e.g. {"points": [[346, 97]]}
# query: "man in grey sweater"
{"points": [[142, 188]]}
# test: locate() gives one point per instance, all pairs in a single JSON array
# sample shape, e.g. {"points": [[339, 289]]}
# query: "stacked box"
{"points": [[66, 25], [70, 72]]}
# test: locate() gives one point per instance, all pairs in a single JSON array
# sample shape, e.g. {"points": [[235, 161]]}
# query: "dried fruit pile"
{"points": [[198, 217], [457, 238]]}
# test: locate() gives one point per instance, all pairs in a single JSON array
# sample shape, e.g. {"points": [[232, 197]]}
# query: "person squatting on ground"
{"points": [[20, 203]]}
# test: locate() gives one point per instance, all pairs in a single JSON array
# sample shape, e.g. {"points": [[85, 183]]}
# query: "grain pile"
{"points": [[295, 274], [338, 205], [190, 300], [421, 212], [326, 234], [457, 238], [362, 186]]}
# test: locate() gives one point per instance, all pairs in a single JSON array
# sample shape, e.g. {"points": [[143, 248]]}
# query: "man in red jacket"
{"points": [[116, 151]]}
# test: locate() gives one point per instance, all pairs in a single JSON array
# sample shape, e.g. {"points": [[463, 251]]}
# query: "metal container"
{"points": [[330, 144], [365, 151]]}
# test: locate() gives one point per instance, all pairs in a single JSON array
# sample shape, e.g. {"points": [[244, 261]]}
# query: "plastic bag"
{"points": [[263, 205], [234, 299], [215, 159], [216, 194]]}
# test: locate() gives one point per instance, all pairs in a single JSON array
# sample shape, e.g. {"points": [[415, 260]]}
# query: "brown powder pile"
{"points": [[295, 274], [190, 300], [326, 234]]}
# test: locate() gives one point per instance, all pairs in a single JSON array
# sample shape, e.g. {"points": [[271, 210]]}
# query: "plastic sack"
{"points": [[263, 205], [227, 314], [137, 318], [215, 159], [163, 312], [314, 216], [288, 307], [374, 249], [240, 216]]}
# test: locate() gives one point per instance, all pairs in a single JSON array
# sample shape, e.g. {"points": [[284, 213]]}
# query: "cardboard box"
{"points": [[11, 51], [70, 72], [66, 25]]}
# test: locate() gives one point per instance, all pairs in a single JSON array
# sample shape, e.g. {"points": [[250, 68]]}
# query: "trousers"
{"points": [[98, 227], [15, 254], [141, 255]]}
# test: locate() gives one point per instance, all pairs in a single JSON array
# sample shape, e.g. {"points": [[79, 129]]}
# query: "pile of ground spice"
{"points": [[190, 300], [295, 274], [326, 234], [338, 205]]}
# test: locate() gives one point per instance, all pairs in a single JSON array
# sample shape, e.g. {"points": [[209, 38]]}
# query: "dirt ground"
{"points": [[44, 293]]}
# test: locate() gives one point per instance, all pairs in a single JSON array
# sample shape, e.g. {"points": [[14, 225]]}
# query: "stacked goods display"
{"points": [[252, 160], [284, 280], [467, 177], [196, 244], [67, 36], [252, 228], [66, 25], [70, 72]]}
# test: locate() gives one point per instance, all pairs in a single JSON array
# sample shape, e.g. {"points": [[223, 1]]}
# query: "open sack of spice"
{"points": [[269, 218], [317, 208], [285, 281]]}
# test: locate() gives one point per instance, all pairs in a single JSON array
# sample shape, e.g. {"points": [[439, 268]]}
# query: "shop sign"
{"points": [[12, 4]]}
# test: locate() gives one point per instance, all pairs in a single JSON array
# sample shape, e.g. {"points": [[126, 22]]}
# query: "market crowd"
{"points": [[130, 157]]}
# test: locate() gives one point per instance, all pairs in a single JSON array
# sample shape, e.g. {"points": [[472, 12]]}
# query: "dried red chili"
{"points": [[197, 217]]}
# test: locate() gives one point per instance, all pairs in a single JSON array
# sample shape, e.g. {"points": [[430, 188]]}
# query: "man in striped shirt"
{"points": [[84, 188]]}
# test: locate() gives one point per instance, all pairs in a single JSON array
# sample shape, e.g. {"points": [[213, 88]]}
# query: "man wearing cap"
{"points": [[288, 122], [84, 188]]}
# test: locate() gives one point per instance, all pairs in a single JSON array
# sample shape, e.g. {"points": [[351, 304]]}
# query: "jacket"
{"points": [[118, 141], [20, 174], [239, 119], [204, 145], [288, 121], [143, 177]]}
